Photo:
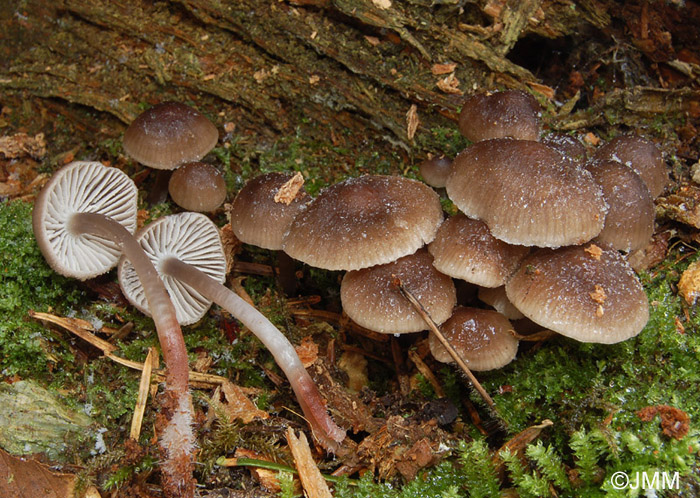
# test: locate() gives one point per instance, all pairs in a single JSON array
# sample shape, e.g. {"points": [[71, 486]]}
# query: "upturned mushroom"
{"points": [[83, 221], [187, 251]]}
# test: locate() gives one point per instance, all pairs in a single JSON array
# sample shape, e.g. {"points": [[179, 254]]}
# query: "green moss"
{"points": [[27, 283]]}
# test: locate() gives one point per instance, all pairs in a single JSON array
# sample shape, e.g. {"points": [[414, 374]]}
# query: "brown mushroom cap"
{"points": [[572, 149], [82, 187], [511, 113], [364, 221], [169, 134], [584, 292], [527, 193], [639, 154], [257, 219], [481, 337], [371, 298], [435, 170], [629, 223], [197, 187], [193, 239], [464, 248]]}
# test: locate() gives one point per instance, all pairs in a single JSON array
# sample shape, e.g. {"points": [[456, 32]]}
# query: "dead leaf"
{"points": [[21, 144], [689, 284], [450, 84], [307, 351], [311, 479], [20, 478], [232, 400]]}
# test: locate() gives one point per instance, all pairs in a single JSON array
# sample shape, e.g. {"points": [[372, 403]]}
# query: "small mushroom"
{"points": [[187, 251], [435, 170], [511, 113], [629, 222], [198, 187], [527, 193], [83, 220], [464, 248], [497, 298], [371, 298], [481, 337], [588, 293], [364, 221], [641, 155]]}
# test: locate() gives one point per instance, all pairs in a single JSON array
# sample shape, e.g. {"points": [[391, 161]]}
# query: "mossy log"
{"points": [[353, 67]]}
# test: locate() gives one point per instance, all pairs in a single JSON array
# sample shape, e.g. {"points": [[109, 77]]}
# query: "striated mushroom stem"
{"points": [[323, 427], [177, 438]]}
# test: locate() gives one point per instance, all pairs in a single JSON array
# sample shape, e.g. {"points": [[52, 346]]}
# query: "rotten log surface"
{"points": [[352, 66]]}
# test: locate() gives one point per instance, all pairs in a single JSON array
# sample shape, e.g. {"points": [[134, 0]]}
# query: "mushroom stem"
{"points": [[177, 438], [313, 406]]}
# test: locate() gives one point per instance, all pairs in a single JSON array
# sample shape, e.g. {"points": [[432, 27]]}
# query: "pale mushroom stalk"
{"points": [[323, 427]]}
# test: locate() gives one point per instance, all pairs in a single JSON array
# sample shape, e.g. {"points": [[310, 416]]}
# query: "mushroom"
{"points": [[481, 337], [83, 220], [511, 113], [364, 221], [641, 155], [371, 298], [629, 222], [464, 248], [197, 187], [167, 135], [588, 293], [187, 251], [435, 170], [527, 193], [497, 298], [568, 145]]}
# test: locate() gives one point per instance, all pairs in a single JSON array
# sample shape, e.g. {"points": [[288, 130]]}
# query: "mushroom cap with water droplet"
{"points": [[83, 187], [511, 113], [481, 337], [256, 218], [168, 135], [364, 221], [371, 298], [527, 193], [588, 293], [193, 239]]}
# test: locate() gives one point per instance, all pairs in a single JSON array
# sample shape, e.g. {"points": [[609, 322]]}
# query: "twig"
{"points": [[144, 385], [435, 330]]}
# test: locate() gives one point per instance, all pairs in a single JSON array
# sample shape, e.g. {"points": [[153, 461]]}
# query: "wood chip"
{"points": [[598, 294], [412, 121], [311, 479], [438, 69], [288, 192], [307, 351], [595, 251], [450, 84], [689, 284]]}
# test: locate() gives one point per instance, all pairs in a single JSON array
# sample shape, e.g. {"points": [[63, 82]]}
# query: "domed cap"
{"points": [[527, 193], [82, 187], [464, 248], [259, 216], [511, 113], [481, 337], [364, 221], [168, 135], [197, 187], [639, 154], [193, 239], [497, 298], [584, 292], [371, 298], [435, 170], [629, 223]]}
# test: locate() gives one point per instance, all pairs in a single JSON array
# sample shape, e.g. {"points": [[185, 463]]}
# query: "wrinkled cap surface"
{"points": [[511, 113], [481, 337], [197, 187], [639, 154], [82, 187], [371, 298], [257, 218], [193, 239], [168, 135], [527, 193], [585, 292], [364, 221], [629, 223], [464, 248]]}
